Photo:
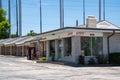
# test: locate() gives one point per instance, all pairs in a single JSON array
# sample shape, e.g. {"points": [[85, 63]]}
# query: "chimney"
{"points": [[91, 22]]}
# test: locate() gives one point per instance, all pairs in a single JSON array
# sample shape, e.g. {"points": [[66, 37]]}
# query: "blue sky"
{"points": [[73, 11]]}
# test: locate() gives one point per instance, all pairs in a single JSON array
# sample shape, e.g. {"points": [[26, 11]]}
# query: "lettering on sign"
{"points": [[70, 33], [92, 35], [80, 33]]}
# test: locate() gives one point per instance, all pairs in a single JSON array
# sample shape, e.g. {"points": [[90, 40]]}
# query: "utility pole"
{"points": [[104, 13], [99, 10], [61, 14], [20, 18], [17, 17], [84, 12], [40, 17], [9, 16], [0, 3]]}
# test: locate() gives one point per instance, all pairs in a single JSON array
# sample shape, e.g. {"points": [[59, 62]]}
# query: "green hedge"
{"points": [[114, 58], [44, 58]]}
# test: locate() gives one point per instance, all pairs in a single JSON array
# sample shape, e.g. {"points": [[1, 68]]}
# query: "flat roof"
{"points": [[79, 28]]}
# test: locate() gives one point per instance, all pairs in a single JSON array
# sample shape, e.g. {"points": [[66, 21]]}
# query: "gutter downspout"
{"points": [[108, 44]]}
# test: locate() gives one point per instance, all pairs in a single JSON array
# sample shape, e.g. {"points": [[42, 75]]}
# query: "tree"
{"points": [[31, 33], [4, 25]]}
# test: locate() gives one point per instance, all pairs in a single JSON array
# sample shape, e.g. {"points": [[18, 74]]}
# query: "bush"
{"points": [[44, 58], [81, 59], [114, 58], [91, 61]]}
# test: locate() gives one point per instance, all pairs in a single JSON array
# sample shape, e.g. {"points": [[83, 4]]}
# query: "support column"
{"points": [[47, 49], [0, 50], [63, 48], [11, 50], [76, 48], [56, 49], [5, 51], [17, 51], [44, 49], [22, 51]]}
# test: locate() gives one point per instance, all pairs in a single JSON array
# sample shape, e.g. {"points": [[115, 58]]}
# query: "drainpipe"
{"points": [[108, 44]]}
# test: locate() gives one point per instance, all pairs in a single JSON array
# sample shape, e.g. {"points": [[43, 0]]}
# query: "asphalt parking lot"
{"points": [[16, 68]]}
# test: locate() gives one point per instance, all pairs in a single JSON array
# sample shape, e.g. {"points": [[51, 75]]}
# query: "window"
{"points": [[68, 46], [92, 46], [52, 47]]}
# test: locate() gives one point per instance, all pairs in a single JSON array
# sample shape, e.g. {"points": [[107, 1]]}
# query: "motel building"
{"points": [[94, 40]]}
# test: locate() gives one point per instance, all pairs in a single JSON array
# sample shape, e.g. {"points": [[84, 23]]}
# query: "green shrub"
{"points": [[91, 61], [44, 58], [81, 59], [114, 58]]}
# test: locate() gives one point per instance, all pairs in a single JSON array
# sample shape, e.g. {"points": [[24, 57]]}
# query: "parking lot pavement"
{"points": [[16, 68]]}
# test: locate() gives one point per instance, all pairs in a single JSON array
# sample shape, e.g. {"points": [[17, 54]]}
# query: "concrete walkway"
{"points": [[17, 68]]}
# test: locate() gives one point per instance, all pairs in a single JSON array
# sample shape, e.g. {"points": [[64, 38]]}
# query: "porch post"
{"points": [[47, 49], [63, 48], [56, 49], [5, 51], [11, 50], [0, 50], [22, 50], [76, 48], [17, 51]]}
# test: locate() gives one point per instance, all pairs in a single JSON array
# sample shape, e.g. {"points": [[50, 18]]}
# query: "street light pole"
{"points": [[0, 3], [20, 18], [61, 14], [17, 17], [84, 12], [104, 13], [99, 10], [40, 17], [9, 16]]}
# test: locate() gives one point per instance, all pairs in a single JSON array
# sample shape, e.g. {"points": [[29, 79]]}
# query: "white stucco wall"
{"points": [[47, 50], [115, 43], [76, 50], [105, 46]]}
